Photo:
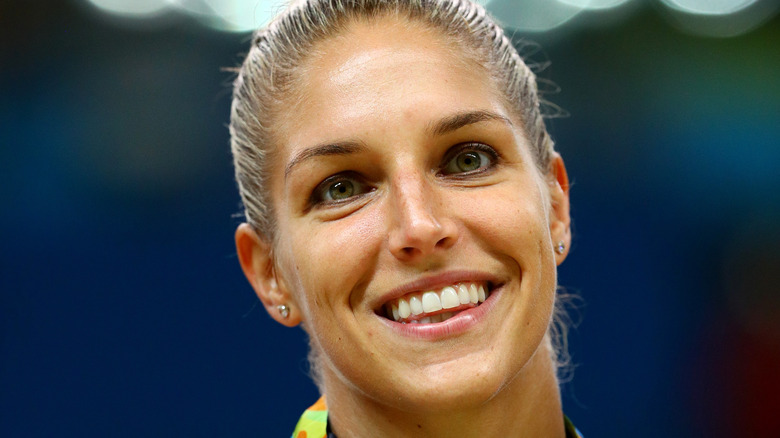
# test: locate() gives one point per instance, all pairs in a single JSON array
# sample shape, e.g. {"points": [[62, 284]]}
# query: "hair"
{"points": [[266, 86]]}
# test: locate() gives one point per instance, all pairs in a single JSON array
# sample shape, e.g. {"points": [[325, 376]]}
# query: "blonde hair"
{"points": [[267, 78]]}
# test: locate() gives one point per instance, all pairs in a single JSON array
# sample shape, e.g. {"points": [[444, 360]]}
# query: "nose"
{"points": [[420, 224]]}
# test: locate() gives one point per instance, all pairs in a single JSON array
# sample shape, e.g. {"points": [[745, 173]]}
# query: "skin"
{"points": [[378, 88]]}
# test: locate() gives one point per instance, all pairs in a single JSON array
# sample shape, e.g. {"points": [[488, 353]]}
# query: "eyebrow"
{"points": [[460, 120], [438, 128], [328, 149]]}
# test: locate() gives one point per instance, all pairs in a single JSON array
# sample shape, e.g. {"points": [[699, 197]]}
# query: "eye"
{"points": [[339, 188], [472, 157]]}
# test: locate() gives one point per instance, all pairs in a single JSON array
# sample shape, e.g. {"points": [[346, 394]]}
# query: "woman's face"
{"points": [[403, 182]]}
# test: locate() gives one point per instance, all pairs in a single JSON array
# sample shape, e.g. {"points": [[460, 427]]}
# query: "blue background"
{"points": [[124, 312]]}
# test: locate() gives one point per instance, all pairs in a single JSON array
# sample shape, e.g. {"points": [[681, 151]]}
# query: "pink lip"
{"points": [[459, 323], [434, 282]]}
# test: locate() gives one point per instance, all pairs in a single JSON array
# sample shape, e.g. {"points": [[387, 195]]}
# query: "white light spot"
{"points": [[709, 7], [138, 8], [232, 15], [729, 19], [533, 15], [595, 4]]}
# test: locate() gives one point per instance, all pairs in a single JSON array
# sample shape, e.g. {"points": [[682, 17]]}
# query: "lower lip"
{"points": [[456, 325]]}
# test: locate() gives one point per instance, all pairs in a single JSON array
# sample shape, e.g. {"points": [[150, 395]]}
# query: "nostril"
{"points": [[444, 242]]}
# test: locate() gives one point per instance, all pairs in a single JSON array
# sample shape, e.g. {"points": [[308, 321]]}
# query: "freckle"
{"points": [[419, 426]]}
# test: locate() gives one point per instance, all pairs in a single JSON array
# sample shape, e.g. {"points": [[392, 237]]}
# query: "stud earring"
{"points": [[283, 310], [560, 247]]}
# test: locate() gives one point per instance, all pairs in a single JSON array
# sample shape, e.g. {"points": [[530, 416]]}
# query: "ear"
{"points": [[560, 221], [256, 258]]}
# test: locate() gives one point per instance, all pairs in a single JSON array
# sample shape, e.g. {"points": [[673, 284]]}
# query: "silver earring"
{"points": [[560, 247], [283, 310]]}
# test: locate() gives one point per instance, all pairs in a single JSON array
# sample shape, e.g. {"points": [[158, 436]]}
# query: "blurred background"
{"points": [[123, 311]]}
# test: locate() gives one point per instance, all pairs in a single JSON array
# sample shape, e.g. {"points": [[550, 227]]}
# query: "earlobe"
{"points": [[256, 258], [560, 220]]}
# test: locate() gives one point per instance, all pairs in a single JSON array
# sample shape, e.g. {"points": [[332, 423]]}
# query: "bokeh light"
{"points": [[533, 15], [595, 4], [720, 18], [134, 8], [712, 18], [709, 7], [232, 15]]}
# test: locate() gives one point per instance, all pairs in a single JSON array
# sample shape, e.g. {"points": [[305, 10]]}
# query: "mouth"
{"points": [[437, 305]]}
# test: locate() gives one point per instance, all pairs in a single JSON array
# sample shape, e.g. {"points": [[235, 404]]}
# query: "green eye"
{"points": [[469, 160], [340, 190]]}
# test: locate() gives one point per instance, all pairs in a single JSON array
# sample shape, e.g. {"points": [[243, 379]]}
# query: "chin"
{"points": [[470, 382]]}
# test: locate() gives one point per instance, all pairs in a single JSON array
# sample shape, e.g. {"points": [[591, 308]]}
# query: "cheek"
{"points": [[511, 219], [329, 260]]}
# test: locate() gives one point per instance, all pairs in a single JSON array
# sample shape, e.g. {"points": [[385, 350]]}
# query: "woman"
{"points": [[405, 205]]}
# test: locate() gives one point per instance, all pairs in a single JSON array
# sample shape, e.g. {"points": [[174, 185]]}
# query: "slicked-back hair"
{"points": [[267, 78]]}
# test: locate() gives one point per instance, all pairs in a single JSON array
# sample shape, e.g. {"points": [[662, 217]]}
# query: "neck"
{"points": [[528, 406]]}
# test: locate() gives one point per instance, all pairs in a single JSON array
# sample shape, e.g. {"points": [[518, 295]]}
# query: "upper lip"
{"points": [[434, 282]]}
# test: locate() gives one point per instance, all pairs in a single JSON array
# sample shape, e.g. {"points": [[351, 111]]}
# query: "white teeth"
{"points": [[449, 298], [473, 294], [463, 294], [416, 305], [403, 309], [431, 302]]}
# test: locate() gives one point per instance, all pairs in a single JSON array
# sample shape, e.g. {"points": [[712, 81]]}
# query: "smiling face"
{"points": [[415, 233]]}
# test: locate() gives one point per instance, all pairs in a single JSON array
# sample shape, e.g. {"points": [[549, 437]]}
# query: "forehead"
{"points": [[381, 75]]}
